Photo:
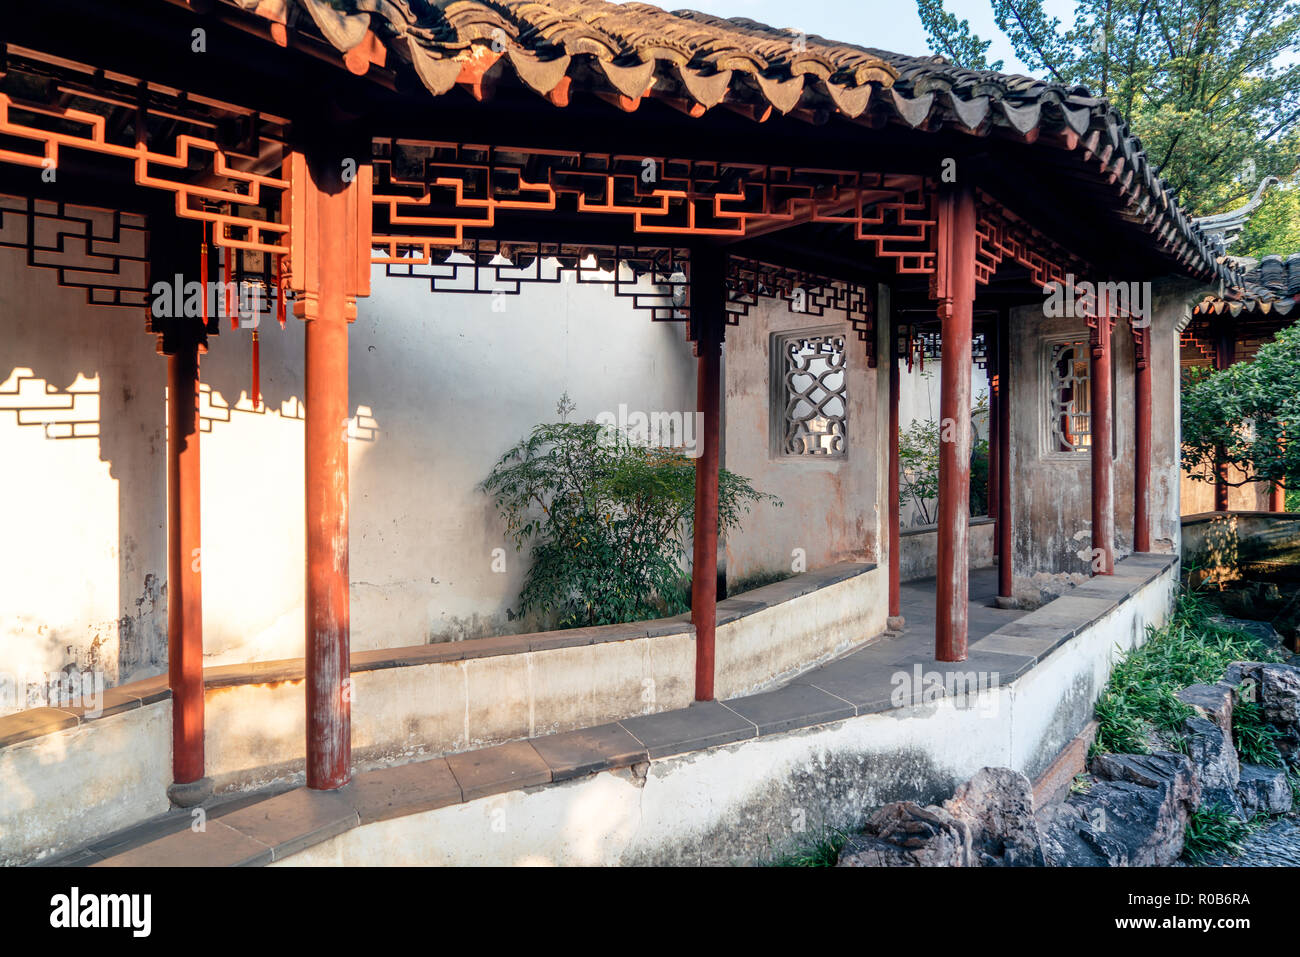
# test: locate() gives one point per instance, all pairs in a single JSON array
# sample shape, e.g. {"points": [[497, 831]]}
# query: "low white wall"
{"points": [[778, 642], [62, 789], [255, 732], [919, 557], [70, 787], [739, 803]]}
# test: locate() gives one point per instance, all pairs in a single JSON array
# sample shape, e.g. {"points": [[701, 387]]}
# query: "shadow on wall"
{"points": [[436, 396]]}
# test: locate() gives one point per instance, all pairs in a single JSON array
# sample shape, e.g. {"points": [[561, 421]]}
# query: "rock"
{"points": [[1260, 630], [1148, 823], [1241, 671], [1264, 790], [1070, 840], [1279, 693], [1161, 769], [904, 834], [997, 807], [1211, 701], [1215, 762]]}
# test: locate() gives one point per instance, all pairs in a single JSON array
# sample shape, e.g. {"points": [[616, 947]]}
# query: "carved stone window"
{"points": [[810, 407], [1069, 397]]}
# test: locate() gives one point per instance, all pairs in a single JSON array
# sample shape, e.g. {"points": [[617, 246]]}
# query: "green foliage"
{"points": [[608, 522], [1255, 739], [1212, 87], [953, 38], [1213, 832], [918, 466], [823, 850], [1139, 703], [1241, 416]]}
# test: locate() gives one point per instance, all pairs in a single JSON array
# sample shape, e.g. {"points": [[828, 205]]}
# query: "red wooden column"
{"points": [[329, 268], [1142, 442], [895, 622], [708, 322], [955, 290], [1225, 354], [184, 570], [1004, 458], [995, 436], [1103, 490]]}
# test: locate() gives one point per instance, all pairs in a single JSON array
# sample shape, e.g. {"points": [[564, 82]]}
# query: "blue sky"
{"points": [[887, 24]]}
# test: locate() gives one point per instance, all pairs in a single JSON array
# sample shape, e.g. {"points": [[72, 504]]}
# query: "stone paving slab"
{"points": [[791, 707], [1020, 645], [1107, 587], [574, 754], [34, 722], [978, 661], [868, 686], [404, 789], [504, 767], [217, 845], [705, 724], [295, 820]]}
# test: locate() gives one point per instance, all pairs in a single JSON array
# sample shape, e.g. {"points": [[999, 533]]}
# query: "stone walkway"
{"points": [[1277, 845]]}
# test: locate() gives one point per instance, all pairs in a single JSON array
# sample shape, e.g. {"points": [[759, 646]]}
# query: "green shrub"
{"points": [[608, 521]]}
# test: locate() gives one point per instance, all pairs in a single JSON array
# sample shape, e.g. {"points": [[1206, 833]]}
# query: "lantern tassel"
{"points": [[257, 372], [203, 272]]}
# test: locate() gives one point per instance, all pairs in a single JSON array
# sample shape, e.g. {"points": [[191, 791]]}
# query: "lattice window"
{"points": [[810, 407], [1069, 397]]}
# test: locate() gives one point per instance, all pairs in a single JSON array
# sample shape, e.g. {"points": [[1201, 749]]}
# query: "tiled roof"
{"points": [[1271, 284], [698, 62]]}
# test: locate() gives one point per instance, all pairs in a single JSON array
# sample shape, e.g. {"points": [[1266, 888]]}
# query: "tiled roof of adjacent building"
{"points": [[1271, 284]]}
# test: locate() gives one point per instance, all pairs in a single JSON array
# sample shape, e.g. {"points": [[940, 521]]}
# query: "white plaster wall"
{"points": [[82, 484], [1051, 493], [830, 511], [441, 385]]}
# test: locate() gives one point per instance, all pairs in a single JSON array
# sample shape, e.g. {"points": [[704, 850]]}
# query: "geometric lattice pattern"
{"points": [[1069, 397], [813, 390], [103, 251]]}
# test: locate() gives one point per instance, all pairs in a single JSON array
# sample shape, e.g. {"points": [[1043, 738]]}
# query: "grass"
{"points": [[1255, 738], [821, 851], [1213, 832], [1139, 705]]}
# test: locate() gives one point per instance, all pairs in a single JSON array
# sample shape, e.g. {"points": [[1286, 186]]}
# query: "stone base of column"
{"points": [[1007, 602], [190, 794], [895, 623]]}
